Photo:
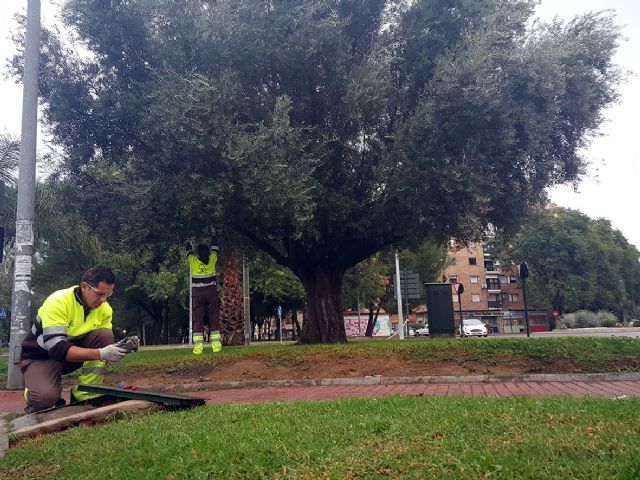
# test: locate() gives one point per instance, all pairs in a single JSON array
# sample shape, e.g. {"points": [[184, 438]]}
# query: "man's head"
{"points": [[203, 253], [97, 286]]}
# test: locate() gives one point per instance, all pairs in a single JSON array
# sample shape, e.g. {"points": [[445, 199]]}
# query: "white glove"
{"points": [[112, 353]]}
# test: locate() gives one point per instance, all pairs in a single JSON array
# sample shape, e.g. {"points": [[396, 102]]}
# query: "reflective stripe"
{"points": [[54, 331], [40, 341], [34, 330], [202, 284], [52, 342], [92, 371]]}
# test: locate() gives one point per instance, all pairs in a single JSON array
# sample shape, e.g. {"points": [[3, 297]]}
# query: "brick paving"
{"points": [[13, 401]]}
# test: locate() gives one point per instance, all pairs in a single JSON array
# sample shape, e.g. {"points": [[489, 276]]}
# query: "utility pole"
{"points": [[399, 298], [21, 300], [246, 302], [524, 273]]}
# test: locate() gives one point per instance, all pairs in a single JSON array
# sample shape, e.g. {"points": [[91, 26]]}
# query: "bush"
{"points": [[569, 320], [587, 319], [606, 318], [561, 326], [633, 314]]}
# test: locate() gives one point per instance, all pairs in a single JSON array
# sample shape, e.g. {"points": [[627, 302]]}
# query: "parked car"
{"points": [[422, 331], [472, 327]]}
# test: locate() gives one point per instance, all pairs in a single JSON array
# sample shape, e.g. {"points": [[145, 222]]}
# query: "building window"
{"points": [[488, 265], [472, 260], [453, 279], [510, 297], [475, 297], [513, 279], [473, 279]]}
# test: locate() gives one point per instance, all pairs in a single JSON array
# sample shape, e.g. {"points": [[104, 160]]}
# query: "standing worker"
{"points": [[204, 294], [72, 330]]}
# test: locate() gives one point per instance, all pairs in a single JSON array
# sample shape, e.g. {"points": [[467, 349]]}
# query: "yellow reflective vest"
{"points": [[203, 274], [61, 322]]}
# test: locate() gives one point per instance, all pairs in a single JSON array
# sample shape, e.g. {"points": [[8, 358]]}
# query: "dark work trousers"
{"points": [[205, 302], [43, 377]]}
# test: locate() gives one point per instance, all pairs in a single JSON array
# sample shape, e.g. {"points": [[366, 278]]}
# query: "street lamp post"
{"points": [[25, 211]]}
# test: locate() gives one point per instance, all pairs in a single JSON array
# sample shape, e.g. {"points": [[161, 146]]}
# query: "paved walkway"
{"points": [[13, 402]]}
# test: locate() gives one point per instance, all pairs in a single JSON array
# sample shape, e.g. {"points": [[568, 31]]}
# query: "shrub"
{"points": [[606, 318], [561, 326], [587, 319], [633, 313], [569, 320]]}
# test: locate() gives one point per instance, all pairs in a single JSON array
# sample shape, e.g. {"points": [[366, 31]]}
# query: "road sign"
{"points": [[409, 284]]}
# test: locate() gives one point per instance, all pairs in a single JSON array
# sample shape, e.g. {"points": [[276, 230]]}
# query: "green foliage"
{"points": [[607, 319], [321, 131], [9, 158], [586, 319], [392, 437], [576, 262]]}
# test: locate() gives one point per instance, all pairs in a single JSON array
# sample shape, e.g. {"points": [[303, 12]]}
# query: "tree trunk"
{"points": [[231, 306], [324, 320], [374, 310]]}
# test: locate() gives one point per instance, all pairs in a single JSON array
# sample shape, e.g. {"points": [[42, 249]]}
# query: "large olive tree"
{"points": [[323, 130]]}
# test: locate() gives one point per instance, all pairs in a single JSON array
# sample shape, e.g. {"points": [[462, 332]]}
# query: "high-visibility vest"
{"points": [[203, 274], [61, 322]]}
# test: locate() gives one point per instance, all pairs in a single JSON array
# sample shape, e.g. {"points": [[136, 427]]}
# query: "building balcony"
{"points": [[494, 304]]}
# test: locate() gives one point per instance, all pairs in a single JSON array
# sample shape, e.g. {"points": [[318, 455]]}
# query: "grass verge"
{"points": [[581, 354], [393, 437]]}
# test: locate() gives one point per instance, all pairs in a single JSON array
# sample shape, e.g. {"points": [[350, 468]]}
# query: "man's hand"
{"points": [[129, 344], [112, 353]]}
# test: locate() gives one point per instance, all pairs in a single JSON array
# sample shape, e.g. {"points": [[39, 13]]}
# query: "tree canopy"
{"points": [[576, 262], [324, 130]]}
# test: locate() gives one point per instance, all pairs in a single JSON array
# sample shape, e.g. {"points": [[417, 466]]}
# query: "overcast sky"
{"points": [[613, 181]]}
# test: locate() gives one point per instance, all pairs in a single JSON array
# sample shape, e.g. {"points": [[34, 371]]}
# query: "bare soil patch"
{"points": [[257, 369]]}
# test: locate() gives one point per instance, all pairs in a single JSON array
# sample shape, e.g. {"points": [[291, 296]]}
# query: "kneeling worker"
{"points": [[72, 330]]}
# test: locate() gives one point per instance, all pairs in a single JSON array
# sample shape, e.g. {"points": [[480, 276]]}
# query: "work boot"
{"points": [[198, 348], [216, 341]]}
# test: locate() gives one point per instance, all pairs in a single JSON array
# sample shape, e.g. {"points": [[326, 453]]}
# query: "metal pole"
{"points": [[190, 308], [359, 331], [21, 301], [399, 298], [526, 309], [246, 302], [460, 312]]}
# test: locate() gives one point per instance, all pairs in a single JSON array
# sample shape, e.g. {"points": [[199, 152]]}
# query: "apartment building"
{"points": [[492, 291]]}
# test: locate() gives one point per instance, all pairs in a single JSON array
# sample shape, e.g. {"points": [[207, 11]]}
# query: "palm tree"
{"points": [[9, 158]]}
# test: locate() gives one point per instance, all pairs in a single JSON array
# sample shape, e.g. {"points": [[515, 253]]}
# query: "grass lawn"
{"points": [[585, 354], [393, 437], [4, 365]]}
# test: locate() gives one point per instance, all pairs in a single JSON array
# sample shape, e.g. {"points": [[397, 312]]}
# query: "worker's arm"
{"points": [[110, 353], [214, 241], [79, 354]]}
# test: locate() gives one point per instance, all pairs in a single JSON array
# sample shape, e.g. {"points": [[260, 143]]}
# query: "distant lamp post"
{"points": [[524, 273]]}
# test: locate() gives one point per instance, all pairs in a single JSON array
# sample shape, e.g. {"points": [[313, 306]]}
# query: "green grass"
{"points": [[589, 354], [393, 437], [4, 365]]}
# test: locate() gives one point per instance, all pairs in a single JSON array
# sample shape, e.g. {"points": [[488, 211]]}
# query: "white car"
{"points": [[474, 328], [422, 331]]}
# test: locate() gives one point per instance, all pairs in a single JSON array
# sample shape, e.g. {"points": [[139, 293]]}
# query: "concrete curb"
{"points": [[380, 380]]}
